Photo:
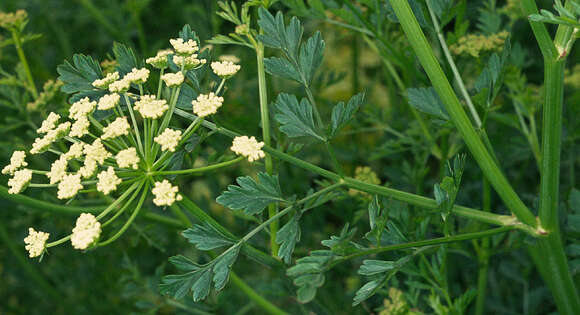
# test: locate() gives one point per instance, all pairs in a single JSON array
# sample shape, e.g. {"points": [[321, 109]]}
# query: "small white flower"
{"points": [[86, 231], [108, 181], [165, 193], [96, 151], [81, 108], [160, 60], [106, 81], [207, 104], [128, 158], [69, 186], [248, 147], [137, 76], [188, 62], [80, 127], [49, 123], [168, 139], [120, 86], [19, 181], [108, 101], [57, 170], [224, 68], [119, 127], [40, 145], [35, 242], [16, 161], [184, 48], [149, 107], [172, 79], [75, 151], [88, 169]]}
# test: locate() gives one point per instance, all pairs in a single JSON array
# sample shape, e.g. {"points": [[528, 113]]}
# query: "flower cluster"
{"points": [[86, 231], [35, 242], [248, 147], [207, 104], [474, 44], [224, 68]]}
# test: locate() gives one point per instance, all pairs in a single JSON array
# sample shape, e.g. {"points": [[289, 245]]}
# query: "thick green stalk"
{"points": [[265, 118], [483, 254], [485, 160], [540, 31]]}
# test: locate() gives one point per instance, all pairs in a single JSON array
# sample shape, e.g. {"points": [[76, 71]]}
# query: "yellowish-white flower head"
{"points": [[75, 151], [120, 86], [17, 161], [80, 127], [19, 181], [106, 81], [188, 62], [248, 147], [207, 104], [184, 48], [119, 127], [57, 170], [168, 139], [150, 107], [137, 76], [88, 169], [35, 242], [86, 231], [165, 194], [69, 186], [49, 123], [43, 143], [225, 69], [160, 60], [128, 158], [108, 101], [81, 108], [96, 151], [172, 79], [108, 181]]}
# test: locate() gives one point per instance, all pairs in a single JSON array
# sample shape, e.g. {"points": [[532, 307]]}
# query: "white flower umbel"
{"points": [[106, 81], [88, 169], [69, 186], [188, 62], [137, 76], [119, 127], [172, 79], [75, 151], [165, 194], [19, 181], [168, 139], [57, 170], [35, 242], [248, 147], [80, 127], [86, 231], [184, 48], [108, 181], [17, 161], [224, 69], [108, 101], [81, 108], [150, 107], [96, 151], [207, 104], [120, 86], [49, 123], [160, 60], [128, 158]]}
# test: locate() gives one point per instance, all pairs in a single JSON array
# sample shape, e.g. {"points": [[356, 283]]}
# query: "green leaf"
{"points": [[126, 59], [342, 114], [204, 237], [183, 263], [177, 286], [372, 267], [250, 195], [308, 273], [341, 244], [296, 119], [287, 237], [79, 75], [378, 220], [187, 33], [276, 35], [202, 285], [428, 101], [281, 67], [310, 58], [368, 290], [222, 267]]}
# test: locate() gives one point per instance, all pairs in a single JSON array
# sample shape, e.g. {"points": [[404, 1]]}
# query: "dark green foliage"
{"points": [[204, 237], [342, 114], [80, 74], [296, 119], [427, 101], [250, 195]]}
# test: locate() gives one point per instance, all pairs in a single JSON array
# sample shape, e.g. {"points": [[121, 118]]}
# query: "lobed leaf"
{"points": [[204, 237], [342, 114], [428, 101], [287, 237], [296, 119], [79, 75], [250, 195]]}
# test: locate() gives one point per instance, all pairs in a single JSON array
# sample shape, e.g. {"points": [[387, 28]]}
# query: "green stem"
{"points": [[265, 118], [458, 116], [135, 126], [24, 62], [201, 170], [483, 256], [255, 297]]}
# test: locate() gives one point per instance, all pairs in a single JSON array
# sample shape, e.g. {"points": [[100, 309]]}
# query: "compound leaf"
{"points": [[79, 75], [287, 237], [250, 195], [295, 118], [205, 237], [427, 100], [342, 114]]}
